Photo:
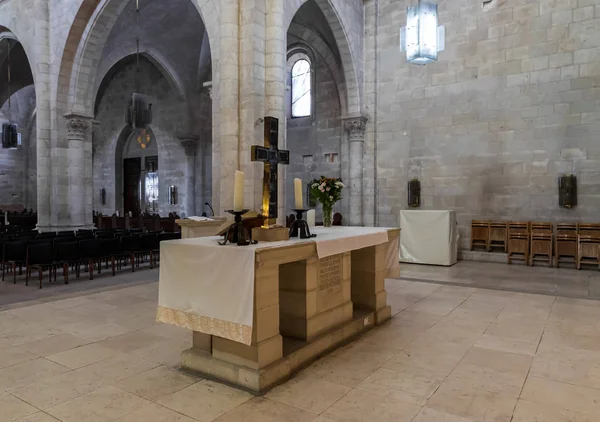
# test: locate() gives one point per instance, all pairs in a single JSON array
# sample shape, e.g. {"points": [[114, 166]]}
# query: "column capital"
{"points": [[77, 124], [189, 144], [356, 126], [207, 86]]}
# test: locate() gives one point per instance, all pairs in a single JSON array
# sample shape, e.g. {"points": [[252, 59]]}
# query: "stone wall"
{"points": [[170, 117], [513, 102], [17, 166]]}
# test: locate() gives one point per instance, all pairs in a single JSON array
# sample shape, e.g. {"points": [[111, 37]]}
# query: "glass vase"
{"points": [[327, 216]]}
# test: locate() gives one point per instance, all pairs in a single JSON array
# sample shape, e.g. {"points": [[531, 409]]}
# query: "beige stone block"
{"points": [[266, 292], [383, 314], [253, 356], [329, 319], [294, 303], [292, 276], [204, 364], [266, 324], [202, 341]]}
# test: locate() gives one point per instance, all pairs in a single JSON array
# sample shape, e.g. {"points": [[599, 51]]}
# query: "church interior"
{"points": [[300, 210]]}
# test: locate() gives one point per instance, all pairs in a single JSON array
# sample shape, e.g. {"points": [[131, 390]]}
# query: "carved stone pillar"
{"points": [[356, 138], [79, 172], [190, 146]]}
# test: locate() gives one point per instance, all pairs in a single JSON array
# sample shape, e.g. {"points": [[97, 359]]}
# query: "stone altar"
{"points": [[307, 297]]}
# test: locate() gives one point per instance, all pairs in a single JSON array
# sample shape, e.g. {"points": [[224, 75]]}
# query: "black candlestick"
{"points": [[300, 227], [238, 232]]}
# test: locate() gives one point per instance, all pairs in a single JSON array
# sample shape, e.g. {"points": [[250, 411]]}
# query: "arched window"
{"points": [[301, 89]]}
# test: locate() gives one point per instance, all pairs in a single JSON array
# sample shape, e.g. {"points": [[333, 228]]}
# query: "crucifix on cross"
{"points": [[271, 156]]}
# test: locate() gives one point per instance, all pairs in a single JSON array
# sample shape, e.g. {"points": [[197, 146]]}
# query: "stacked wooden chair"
{"points": [[566, 243], [498, 237], [589, 245], [518, 241], [480, 234], [541, 243]]}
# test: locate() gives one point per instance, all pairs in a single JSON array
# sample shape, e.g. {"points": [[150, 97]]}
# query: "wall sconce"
{"points": [[102, 196], [422, 38], [414, 193], [172, 195], [567, 191]]}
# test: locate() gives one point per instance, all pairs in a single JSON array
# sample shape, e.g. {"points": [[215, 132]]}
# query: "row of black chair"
{"points": [[65, 253]]}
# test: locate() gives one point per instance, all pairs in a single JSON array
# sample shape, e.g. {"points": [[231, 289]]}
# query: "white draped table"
{"points": [[240, 301]]}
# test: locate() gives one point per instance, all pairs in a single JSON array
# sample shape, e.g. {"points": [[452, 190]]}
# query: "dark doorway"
{"points": [[132, 171]]}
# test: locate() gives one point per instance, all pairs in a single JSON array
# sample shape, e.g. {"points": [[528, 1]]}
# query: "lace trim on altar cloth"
{"points": [[213, 326]]}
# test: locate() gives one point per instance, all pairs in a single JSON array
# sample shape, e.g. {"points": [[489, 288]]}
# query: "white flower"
{"points": [[328, 189], [315, 185], [331, 198], [340, 185]]}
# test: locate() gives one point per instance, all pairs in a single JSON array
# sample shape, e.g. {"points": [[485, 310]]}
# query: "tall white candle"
{"points": [[238, 191], [310, 218], [298, 193]]}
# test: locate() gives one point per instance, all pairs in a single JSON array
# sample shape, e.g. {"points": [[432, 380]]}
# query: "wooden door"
{"points": [[132, 171]]}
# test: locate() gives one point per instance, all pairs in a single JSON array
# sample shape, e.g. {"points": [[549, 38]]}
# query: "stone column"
{"points": [[275, 84], [226, 139], [356, 138], [78, 172], [190, 147]]}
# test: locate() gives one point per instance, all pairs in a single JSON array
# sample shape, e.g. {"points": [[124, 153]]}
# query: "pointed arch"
{"points": [[346, 22]]}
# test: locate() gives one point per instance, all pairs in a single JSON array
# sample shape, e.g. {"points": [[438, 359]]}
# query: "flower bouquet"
{"points": [[327, 191]]}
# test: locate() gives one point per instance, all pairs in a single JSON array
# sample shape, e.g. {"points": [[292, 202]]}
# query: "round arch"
{"points": [[349, 55], [153, 56], [87, 36]]}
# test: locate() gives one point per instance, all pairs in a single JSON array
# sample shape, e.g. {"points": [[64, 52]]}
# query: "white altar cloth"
{"points": [[428, 237], [210, 288]]}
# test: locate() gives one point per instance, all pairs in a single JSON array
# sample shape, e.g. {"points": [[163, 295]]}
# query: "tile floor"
{"points": [[450, 354], [566, 282]]}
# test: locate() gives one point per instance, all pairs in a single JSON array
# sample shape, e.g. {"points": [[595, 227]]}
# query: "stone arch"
{"points": [[154, 57], [340, 15], [87, 36]]}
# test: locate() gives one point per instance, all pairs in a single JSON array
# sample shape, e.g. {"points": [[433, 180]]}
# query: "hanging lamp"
{"points": [[10, 134], [139, 110], [422, 38]]}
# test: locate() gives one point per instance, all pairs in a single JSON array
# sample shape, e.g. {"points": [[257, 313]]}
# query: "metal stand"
{"points": [[238, 233], [300, 227]]}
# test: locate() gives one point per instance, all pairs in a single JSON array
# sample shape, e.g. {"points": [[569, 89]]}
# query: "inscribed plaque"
{"points": [[330, 282]]}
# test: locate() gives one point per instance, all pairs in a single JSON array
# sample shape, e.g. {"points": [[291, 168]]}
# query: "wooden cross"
{"points": [[271, 155]]}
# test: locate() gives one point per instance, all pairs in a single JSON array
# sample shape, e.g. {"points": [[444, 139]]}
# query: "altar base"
{"points": [[304, 307], [296, 355]]}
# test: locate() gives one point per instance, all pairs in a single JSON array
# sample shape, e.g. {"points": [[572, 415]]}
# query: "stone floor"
{"points": [[11, 294], [566, 282], [450, 354]]}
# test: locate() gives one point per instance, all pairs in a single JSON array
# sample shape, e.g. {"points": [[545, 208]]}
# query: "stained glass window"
{"points": [[301, 89]]}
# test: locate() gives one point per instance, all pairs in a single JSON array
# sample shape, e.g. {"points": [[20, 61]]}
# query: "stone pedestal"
{"points": [[303, 307]]}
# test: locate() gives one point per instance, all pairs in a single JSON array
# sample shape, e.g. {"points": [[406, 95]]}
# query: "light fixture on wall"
{"points": [[414, 193], [567, 191], [10, 134], [172, 195], [139, 110], [422, 38]]}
